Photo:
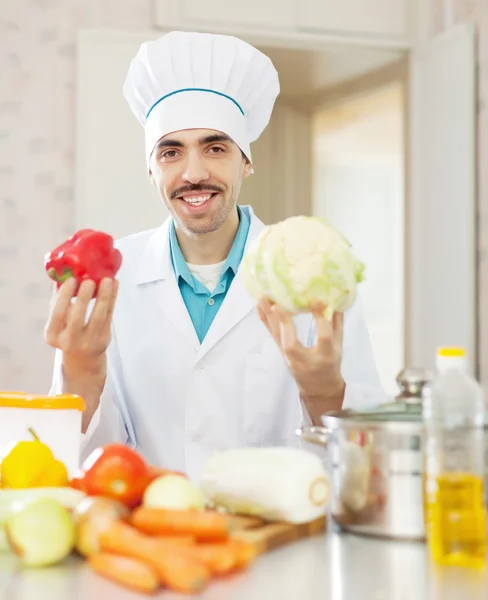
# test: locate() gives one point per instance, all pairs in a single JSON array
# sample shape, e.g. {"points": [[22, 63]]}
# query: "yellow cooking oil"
{"points": [[456, 520], [453, 410]]}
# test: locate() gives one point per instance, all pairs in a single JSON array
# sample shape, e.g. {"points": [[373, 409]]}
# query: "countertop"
{"points": [[328, 567]]}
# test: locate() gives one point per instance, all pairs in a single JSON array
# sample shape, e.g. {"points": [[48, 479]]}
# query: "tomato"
{"points": [[115, 471], [78, 481]]}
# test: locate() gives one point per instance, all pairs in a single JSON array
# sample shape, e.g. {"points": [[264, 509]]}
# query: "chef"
{"points": [[174, 357]]}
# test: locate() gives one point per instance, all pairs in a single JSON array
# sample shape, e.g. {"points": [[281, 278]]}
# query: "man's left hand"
{"points": [[317, 370]]}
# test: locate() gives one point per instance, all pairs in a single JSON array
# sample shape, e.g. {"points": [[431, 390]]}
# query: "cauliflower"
{"points": [[300, 261]]}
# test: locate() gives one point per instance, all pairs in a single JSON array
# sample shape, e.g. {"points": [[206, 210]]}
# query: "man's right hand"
{"points": [[83, 342]]}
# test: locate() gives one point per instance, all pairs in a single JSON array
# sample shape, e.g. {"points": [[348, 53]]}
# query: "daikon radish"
{"points": [[277, 484]]}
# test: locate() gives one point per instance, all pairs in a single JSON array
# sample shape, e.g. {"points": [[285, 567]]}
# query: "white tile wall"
{"points": [[37, 99]]}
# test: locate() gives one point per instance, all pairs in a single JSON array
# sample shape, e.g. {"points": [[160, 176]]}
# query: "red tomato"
{"points": [[78, 481], [115, 471]]}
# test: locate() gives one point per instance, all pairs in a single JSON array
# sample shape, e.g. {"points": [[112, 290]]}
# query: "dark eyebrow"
{"points": [[214, 139], [208, 139], [168, 144]]}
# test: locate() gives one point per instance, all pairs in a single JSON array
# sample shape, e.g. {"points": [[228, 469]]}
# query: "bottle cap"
{"points": [[451, 352], [450, 358]]}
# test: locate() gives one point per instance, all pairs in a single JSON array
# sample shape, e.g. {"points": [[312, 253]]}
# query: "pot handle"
{"points": [[314, 435]]}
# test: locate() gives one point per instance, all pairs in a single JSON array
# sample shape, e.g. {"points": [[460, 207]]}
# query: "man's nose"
{"points": [[195, 169]]}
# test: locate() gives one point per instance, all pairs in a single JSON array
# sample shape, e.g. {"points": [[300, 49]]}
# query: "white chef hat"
{"points": [[187, 80]]}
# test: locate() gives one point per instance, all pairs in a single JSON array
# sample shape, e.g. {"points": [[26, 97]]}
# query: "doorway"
{"points": [[358, 184]]}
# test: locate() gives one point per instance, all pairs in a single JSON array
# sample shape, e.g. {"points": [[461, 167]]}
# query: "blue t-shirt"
{"points": [[203, 305]]}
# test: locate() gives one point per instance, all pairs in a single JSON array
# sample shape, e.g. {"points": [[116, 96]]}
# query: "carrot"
{"points": [[204, 525], [174, 568], [129, 572], [217, 557], [244, 553], [180, 540], [220, 557]]}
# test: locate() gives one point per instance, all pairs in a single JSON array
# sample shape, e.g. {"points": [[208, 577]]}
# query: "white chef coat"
{"points": [[177, 401]]}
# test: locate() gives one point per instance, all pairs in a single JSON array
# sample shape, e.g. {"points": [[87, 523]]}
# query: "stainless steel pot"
{"points": [[375, 462]]}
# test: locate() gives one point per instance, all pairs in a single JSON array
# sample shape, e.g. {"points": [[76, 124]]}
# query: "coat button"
{"points": [[211, 302]]}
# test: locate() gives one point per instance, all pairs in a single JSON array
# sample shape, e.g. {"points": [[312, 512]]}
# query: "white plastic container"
{"points": [[56, 421]]}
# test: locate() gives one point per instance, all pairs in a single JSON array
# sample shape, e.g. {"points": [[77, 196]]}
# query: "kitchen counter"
{"points": [[330, 567]]}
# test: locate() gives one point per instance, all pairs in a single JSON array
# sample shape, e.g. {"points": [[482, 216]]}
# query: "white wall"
{"points": [[113, 192], [358, 185], [37, 151]]}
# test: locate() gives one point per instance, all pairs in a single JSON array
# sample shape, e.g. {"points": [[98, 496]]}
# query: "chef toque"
{"points": [[187, 80]]}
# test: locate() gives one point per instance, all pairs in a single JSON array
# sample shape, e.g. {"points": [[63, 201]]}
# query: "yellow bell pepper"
{"points": [[32, 464]]}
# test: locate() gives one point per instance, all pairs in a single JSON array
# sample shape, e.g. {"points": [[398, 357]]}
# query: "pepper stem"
{"points": [[33, 434], [66, 274]]}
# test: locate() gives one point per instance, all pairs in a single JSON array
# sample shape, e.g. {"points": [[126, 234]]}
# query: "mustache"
{"points": [[197, 187]]}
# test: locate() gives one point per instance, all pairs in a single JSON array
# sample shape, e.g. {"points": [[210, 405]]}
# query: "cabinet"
{"points": [[387, 18], [215, 14], [372, 20]]}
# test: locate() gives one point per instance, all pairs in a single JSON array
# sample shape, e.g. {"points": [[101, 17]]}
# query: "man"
{"points": [[184, 363]]}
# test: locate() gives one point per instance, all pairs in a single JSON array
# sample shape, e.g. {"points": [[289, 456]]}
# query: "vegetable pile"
{"points": [[146, 528], [302, 261]]}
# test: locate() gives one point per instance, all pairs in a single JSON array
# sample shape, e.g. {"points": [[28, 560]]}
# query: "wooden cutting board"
{"points": [[266, 536]]}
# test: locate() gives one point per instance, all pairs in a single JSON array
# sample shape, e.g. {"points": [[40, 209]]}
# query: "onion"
{"points": [[174, 492], [12, 501], [4, 545], [93, 516], [5, 513], [42, 533]]}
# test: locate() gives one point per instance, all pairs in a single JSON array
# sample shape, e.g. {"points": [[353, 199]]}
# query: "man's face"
{"points": [[199, 173]]}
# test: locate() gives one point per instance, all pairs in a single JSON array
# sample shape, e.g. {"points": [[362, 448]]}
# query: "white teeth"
{"points": [[197, 200]]}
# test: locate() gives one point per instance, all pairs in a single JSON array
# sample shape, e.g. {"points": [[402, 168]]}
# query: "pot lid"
{"points": [[401, 417], [411, 382], [408, 416]]}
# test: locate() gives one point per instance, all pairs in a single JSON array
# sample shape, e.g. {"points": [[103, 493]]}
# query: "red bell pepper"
{"points": [[88, 254]]}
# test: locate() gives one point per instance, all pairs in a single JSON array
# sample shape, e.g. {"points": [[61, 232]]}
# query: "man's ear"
{"points": [[151, 178], [247, 169]]}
